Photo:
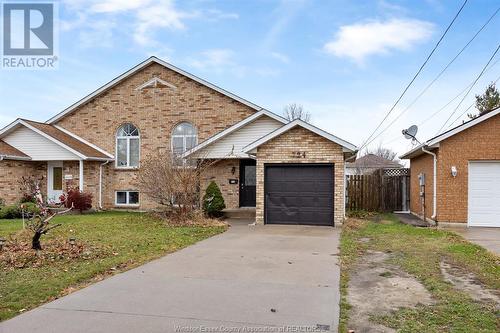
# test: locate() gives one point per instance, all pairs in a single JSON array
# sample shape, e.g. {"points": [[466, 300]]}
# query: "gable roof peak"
{"points": [[137, 68]]}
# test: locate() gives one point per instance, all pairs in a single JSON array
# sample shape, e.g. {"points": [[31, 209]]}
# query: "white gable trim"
{"points": [[462, 127], [154, 83], [137, 68], [84, 141], [348, 147], [233, 128], [434, 142], [15, 158]]}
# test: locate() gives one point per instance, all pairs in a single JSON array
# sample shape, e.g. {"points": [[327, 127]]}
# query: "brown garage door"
{"points": [[299, 194]]}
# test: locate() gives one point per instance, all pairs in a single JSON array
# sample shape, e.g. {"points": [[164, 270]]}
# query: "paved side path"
{"points": [[489, 238], [231, 280]]}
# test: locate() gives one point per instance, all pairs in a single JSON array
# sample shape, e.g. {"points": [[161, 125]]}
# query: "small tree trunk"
{"points": [[35, 242]]}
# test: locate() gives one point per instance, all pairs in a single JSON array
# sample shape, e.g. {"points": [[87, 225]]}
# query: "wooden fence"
{"points": [[385, 190]]}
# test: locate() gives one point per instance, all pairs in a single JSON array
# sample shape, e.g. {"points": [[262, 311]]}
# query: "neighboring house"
{"points": [[461, 174], [369, 163], [292, 172]]}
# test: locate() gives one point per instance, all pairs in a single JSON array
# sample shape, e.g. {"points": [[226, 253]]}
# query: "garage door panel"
{"points": [[484, 194], [300, 194]]}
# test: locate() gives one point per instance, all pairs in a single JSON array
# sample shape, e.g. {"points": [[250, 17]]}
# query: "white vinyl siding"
{"points": [[38, 147], [484, 194], [239, 139]]}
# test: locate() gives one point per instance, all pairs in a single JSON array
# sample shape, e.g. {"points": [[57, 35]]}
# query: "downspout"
{"points": [[1, 157], [434, 184], [100, 183]]}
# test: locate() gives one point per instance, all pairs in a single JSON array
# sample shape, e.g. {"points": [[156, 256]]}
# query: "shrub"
{"points": [[79, 200], [213, 202], [29, 208], [2, 202], [10, 212]]}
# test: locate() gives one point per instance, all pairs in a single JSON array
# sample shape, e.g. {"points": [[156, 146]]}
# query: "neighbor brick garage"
{"points": [[317, 150], [155, 112], [478, 143]]}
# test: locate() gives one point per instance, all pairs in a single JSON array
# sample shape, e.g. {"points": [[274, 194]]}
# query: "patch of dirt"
{"points": [[377, 287], [468, 283]]}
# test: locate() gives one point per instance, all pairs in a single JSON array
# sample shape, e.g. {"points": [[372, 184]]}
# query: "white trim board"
{"points": [[348, 147], [434, 142], [137, 68], [233, 128]]}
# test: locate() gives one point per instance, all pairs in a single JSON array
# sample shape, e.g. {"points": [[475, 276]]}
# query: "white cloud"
{"points": [[215, 59], [361, 40], [281, 57], [146, 17]]}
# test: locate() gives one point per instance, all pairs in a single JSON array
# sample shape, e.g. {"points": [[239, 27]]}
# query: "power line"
{"points": [[448, 103], [468, 91], [416, 75], [435, 79], [460, 116]]}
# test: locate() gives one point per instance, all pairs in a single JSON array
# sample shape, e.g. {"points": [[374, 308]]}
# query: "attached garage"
{"points": [[484, 194], [299, 194]]}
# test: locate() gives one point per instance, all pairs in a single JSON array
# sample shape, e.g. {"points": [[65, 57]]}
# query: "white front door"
{"points": [[54, 181], [484, 194]]}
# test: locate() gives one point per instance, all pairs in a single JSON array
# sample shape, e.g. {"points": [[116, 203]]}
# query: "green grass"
{"points": [[419, 251], [125, 239]]}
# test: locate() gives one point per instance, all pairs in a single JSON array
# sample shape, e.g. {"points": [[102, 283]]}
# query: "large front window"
{"points": [[184, 137], [127, 146]]}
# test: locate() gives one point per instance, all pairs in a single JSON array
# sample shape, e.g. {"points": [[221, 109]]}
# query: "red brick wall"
{"points": [[478, 143], [421, 164]]}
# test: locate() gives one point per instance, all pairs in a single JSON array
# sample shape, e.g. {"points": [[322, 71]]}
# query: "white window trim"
{"points": [[128, 138], [127, 199]]}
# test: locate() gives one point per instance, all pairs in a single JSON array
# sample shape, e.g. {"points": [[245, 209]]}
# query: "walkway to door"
{"points": [[261, 277]]}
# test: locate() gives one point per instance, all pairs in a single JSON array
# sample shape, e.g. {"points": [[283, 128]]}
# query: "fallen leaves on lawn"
{"points": [[18, 254]]}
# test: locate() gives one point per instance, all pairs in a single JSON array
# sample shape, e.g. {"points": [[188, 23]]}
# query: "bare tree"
{"points": [[172, 182], [294, 111], [386, 153], [39, 223]]}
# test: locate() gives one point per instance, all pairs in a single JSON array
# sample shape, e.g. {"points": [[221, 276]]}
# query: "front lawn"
{"points": [[110, 242], [430, 257]]}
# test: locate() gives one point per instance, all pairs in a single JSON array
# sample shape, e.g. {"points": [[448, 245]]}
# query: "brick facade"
{"points": [[477, 143], [12, 171], [221, 172], [317, 149], [155, 112], [422, 164]]}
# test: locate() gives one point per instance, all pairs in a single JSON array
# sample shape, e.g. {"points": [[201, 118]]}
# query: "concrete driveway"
{"points": [[263, 277], [489, 238]]}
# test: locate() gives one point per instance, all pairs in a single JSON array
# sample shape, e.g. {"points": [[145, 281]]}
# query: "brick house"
{"points": [[455, 176], [292, 172]]}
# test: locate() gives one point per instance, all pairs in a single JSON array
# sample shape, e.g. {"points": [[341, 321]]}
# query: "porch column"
{"points": [[81, 176]]}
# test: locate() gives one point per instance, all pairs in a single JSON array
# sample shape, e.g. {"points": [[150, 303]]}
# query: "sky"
{"points": [[346, 61]]}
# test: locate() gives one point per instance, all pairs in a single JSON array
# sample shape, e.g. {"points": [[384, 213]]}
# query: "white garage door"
{"points": [[484, 194]]}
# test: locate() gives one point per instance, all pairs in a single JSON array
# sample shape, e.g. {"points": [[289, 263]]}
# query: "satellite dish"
{"points": [[410, 132]]}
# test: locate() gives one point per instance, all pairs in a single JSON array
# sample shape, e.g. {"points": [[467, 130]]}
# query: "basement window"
{"points": [[127, 198]]}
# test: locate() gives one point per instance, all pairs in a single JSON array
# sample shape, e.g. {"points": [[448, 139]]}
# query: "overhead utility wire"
{"points": [[468, 91], [416, 75], [437, 77]]}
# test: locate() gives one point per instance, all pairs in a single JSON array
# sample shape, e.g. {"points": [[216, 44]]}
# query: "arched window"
{"points": [[184, 137], [127, 146]]}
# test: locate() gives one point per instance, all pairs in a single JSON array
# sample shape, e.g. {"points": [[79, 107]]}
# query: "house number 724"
{"points": [[298, 154]]}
